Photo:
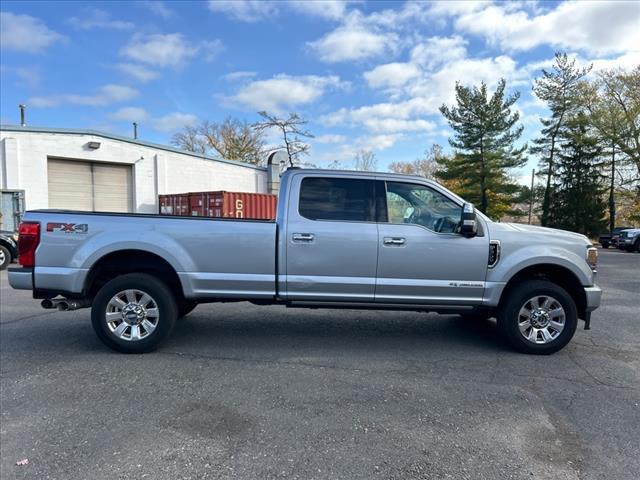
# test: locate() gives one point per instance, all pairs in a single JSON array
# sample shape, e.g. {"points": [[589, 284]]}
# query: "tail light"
{"points": [[28, 240]]}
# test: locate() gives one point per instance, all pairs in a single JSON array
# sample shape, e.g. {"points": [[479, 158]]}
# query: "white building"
{"points": [[94, 171]]}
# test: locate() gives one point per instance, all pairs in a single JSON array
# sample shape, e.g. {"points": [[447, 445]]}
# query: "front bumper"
{"points": [[593, 295], [21, 278]]}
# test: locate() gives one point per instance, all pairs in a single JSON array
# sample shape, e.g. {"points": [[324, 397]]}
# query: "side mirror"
{"points": [[468, 222]]}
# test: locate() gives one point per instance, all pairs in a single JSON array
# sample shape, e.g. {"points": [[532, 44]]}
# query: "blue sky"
{"points": [[365, 74]]}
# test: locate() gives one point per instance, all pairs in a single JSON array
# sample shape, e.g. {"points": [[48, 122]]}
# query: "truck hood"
{"points": [[550, 234]]}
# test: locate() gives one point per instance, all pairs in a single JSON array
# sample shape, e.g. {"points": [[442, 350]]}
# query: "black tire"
{"points": [[605, 245], [185, 307], [508, 316], [5, 257], [161, 296], [637, 246]]}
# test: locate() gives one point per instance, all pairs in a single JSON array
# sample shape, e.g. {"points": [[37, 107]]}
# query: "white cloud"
{"points": [[284, 91], [250, 11], [327, 9], [170, 50], [436, 51], [238, 76], [391, 75], [211, 49], [29, 76], [354, 40], [139, 72], [158, 8], [377, 142], [130, 114], [24, 33], [105, 95], [95, 18], [330, 138], [598, 27], [174, 121]]}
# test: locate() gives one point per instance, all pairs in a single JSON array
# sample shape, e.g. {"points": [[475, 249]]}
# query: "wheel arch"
{"points": [[121, 262], [557, 274]]}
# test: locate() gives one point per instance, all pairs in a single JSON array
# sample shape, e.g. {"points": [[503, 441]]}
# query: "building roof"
{"points": [[119, 138]]}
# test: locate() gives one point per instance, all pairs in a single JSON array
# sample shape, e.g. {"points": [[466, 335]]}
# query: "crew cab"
{"points": [[340, 240]]}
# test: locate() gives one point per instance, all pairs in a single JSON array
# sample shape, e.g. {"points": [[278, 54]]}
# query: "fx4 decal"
{"points": [[68, 227]]}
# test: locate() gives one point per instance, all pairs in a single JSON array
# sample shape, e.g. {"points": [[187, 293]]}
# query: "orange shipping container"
{"points": [[251, 206]]}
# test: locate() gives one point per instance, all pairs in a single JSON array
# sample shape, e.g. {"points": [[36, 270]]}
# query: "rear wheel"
{"points": [[538, 317], [605, 245], [5, 257], [133, 313]]}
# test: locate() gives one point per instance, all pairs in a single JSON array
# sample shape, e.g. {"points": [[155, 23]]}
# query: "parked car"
{"points": [[340, 240], [8, 249], [607, 239], [630, 240]]}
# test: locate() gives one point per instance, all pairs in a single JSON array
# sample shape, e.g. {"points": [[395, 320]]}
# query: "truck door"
{"points": [[421, 257], [331, 239]]}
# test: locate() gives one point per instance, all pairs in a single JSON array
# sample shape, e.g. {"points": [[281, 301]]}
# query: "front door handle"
{"points": [[302, 237], [394, 240]]}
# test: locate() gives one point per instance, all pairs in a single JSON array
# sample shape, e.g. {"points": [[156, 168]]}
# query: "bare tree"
{"points": [[190, 140], [425, 166], [365, 160], [232, 139], [292, 129]]}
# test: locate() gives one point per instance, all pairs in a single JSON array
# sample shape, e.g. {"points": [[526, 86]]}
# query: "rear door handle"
{"points": [[302, 237], [394, 240]]}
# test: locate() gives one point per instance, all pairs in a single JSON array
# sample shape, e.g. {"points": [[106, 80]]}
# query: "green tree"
{"points": [[614, 112], [485, 132], [558, 88], [578, 194]]}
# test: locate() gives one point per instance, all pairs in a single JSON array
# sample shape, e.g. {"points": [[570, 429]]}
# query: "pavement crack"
{"points": [[28, 317]]}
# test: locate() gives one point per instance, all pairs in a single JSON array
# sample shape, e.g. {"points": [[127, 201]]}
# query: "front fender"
{"points": [[511, 262]]}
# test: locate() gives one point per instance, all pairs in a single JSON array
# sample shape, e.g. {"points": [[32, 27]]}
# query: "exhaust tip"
{"points": [[47, 303], [62, 306]]}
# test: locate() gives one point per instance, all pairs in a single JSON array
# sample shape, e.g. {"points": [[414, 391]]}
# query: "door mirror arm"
{"points": [[468, 221]]}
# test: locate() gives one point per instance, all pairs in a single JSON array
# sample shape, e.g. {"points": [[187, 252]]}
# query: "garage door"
{"points": [[88, 186]]}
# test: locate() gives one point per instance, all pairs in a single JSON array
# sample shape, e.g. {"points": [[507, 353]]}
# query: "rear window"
{"points": [[343, 199]]}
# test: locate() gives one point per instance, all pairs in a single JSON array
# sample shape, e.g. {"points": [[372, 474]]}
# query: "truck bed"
{"points": [[240, 252]]}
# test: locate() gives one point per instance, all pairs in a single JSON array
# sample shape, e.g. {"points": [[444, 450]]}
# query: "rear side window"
{"points": [[343, 199]]}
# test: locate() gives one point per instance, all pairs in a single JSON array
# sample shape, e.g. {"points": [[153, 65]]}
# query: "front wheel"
{"points": [[133, 313], [538, 317]]}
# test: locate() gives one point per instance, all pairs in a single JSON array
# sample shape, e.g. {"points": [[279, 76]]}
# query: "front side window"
{"points": [[421, 205], [344, 199]]}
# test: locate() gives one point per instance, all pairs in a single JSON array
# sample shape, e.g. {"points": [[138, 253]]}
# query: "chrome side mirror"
{"points": [[468, 222]]}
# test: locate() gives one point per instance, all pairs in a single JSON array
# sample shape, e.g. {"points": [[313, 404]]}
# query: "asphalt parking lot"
{"points": [[249, 392]]}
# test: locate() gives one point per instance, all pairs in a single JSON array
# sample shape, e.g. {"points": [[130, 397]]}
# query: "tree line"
{"points": [[588, 148]]}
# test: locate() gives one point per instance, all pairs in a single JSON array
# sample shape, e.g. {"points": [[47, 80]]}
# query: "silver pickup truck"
{"points": [[340, 240]]}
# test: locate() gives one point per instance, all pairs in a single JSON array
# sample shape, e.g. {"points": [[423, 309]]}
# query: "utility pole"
{"points": [[135, 130], [533, 173]]}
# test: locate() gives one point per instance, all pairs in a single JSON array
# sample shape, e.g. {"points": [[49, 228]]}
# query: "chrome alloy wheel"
{"points": [[541, 319], [2, 257], [132, 315]]}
